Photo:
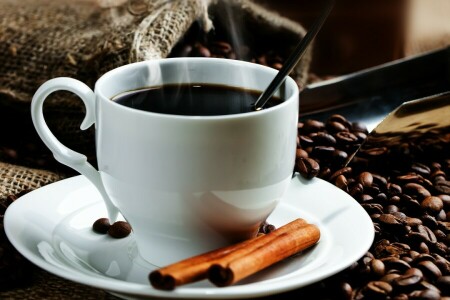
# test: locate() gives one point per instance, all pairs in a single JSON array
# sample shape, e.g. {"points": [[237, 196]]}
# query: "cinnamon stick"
{"points": [[196, 268], [225, 272]]}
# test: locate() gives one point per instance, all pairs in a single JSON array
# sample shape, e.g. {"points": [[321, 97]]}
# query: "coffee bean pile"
{"points": [[222, 49], [15, 270], [196, 43], [401, 181]]}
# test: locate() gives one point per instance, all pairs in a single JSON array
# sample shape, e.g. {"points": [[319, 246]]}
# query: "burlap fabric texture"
{"points": [[14, 182], [43, 39], [17, 179]]}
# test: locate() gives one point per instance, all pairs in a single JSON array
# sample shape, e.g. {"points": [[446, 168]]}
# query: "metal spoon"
{"points": [[417, 127], [294, 58]]}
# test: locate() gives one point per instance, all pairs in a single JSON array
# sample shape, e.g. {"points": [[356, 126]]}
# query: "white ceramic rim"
{"points": [[99, 86]]}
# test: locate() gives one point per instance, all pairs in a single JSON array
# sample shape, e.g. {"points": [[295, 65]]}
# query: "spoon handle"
{"points": [[294, 58]]}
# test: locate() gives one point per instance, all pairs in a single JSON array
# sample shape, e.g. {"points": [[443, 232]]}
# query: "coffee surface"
{"points": [[193, 100]]}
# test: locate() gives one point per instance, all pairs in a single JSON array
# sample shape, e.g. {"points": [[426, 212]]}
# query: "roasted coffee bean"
{"points": [[339, 157], [365, 198], [334, 127], [432, 204], [442, 187], [322, 138], [395, 263], [397, 249], [312, 126], [345, 291], [429, 221], [323, 152], [344, 171], [389, 278], [421, 169], [423, 248], [324, 173], [394, 200], [425, 285], [413, 254], [119, 229], [438, 175], [374, 153], [377, 289], [390, 209], [380, 181], [423, 257], [413, 221], [377, 267], [424, 295], [441, 215], [446, 201], [400, 297], [427, 234], [442, 237], [410, 204], [381, 197], [413, 271], [429, 270], [416, 190], [406, 283], [341, 182], [356, 189], [443, 283], [340, 119], [393, 189], [308, 167], [400, 216], [444, 226], [440, 248], [266, 228], [305, 141], [102, 225], [414, 178], [366, 179], [373, 208], [300, 153], [391, 220], [346, 137]]}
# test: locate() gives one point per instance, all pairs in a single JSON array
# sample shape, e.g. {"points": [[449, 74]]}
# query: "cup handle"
{"points": [[62, 154]]}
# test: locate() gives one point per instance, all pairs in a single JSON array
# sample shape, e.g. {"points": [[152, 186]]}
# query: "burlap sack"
{"points": [[43, 39], [14, 182], [17, 179]]}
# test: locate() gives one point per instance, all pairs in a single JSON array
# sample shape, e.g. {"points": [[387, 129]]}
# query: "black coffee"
{"points": [[193, 100]]}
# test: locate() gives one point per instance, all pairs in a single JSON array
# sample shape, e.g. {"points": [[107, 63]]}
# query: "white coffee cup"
{"points": [[186, 184]]}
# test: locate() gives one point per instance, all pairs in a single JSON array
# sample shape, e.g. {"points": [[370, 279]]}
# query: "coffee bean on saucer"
{"points": [[101, 225], [119, 229]]}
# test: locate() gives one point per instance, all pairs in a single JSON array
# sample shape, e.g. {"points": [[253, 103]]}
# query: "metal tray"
{"points": [[370, 95]]}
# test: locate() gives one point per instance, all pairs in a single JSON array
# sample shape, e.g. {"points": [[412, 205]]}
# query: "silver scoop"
{"points": [[416, 128]]}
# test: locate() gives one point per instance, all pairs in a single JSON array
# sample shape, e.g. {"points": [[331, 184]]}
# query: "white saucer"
{"points": [[51, 227]]}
